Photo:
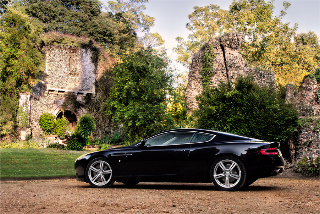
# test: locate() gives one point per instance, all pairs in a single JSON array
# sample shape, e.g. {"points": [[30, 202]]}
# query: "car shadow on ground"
{"points": [[187, 186]]}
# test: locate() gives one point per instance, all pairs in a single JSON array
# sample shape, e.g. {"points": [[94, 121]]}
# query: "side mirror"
{"points": [[143, 142]]}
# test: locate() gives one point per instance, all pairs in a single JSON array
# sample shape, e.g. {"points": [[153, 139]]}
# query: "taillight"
{"points": [[269, 151]]}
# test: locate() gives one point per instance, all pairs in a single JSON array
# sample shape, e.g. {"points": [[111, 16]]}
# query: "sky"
{"points": [[171, 16]]}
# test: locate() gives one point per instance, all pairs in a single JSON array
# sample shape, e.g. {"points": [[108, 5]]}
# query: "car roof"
{"points": [[218, 133]]}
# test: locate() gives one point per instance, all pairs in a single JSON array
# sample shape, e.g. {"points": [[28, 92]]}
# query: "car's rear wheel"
{"points": [[99, 173], [228, 173]]}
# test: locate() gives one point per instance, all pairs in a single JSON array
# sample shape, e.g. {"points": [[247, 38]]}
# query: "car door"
{"points": [[162, 155], [202, 152]]}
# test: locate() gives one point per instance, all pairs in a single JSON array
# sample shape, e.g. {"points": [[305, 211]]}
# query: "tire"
{"points": [[99, 173], [130, 183], [228, 173]]}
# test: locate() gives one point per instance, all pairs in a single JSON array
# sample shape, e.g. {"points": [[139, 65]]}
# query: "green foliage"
{"points": [[81, 136], [177, 107], [115, 138], [309, 166], [56, 146], [207, 66], [246, 109], [3, 6], [103, 147], [9, 104], [60, 127], [315, 75], [47, 123], [85, 126], [20, 64], [81, 18], [269, 43], [74, 143], [114, 27], [138, 95]]}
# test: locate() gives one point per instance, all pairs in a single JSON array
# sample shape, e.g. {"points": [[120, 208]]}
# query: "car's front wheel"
{"points": [[99, 173], [228, 173]]}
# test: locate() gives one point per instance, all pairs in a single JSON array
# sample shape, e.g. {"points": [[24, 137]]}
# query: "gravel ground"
{"points": [[282, 194]]}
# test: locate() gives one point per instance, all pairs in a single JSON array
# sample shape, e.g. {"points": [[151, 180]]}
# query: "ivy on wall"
{"points": [[207, 66]]}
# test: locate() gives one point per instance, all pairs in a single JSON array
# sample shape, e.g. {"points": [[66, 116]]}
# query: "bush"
{"points": [[56, 146], [309, 166], [47, 123], [103, 147], [85, 126], [73, 143], [246, 109], [61, 126]]}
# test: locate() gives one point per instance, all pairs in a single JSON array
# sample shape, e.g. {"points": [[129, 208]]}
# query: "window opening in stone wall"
{"points": [[71, 117]]}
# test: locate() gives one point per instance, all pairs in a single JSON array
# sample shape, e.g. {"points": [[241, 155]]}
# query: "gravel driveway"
{"points": [[268, 195]]}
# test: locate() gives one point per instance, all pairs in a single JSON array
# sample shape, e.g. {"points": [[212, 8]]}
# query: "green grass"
{"points": [[35, 163]]}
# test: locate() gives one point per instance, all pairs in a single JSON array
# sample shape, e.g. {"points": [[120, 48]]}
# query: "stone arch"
{"points": [[70, 116]]}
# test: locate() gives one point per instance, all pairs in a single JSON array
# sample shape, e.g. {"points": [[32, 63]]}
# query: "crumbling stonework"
{"points": [[305, 142], [228, 65], [307, 99], [68, 69]]}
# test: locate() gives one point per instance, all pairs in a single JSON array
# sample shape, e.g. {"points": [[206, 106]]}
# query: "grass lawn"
{"points": [[33, 163]]}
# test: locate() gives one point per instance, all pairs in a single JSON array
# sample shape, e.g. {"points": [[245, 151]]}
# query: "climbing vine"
{"points": [[207, 66]]}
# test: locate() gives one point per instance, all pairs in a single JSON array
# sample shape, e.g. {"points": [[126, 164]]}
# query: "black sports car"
{"points": [[184, 155]]}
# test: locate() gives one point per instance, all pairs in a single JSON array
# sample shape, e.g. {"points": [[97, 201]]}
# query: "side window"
{"points": [[172, 138], [201, 137], [159, 140], [180, 138]]}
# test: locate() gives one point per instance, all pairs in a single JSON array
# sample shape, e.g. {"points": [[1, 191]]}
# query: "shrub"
{"points": [[47, 123], [309, 166], [85, 127], [73, 143], [246, 109], [61, 126], [103, 147], [56, 146]]}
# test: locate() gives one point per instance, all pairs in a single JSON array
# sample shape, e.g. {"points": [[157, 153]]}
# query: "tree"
{"points": [[115, 29], [268, 41], [177, 106], [84, 18], [20, 63], [132, 11], [246, 109], [3, 6], [138, 95]]}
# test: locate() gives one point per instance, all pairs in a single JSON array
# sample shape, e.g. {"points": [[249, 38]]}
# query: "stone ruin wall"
{"points": [[227, 65], [305, 142], [67, 69]]}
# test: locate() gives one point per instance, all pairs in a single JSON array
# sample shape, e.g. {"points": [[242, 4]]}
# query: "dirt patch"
{"points": [[268, 195]]}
